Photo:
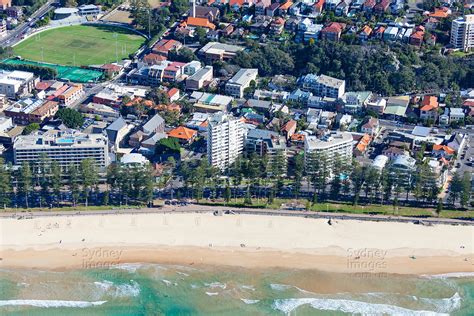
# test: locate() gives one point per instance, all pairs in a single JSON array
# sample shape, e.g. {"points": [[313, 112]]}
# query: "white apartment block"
{"points": [[66, 148], [462, 32], [199, 78], [328, 147], [225, 140], [324, 86], [16, 82], [238, 83]]}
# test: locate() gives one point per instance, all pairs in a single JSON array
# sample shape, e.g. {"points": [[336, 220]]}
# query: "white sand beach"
{"points": [[90, 241]]}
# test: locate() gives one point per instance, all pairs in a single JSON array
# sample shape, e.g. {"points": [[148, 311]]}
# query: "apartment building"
{"points": [[462, 32], [271, 145], [225, 140], [15, 83], [31, 111], [199, 78], [323, 86], [238, 83], [72, 93], [326, 149], [65, 147], [214, 51]]}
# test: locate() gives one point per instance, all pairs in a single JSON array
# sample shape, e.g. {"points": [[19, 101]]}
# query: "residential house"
{"points": [[429, 108], [272, 10], [210, 13], [371, 127], [368, 6], [289, 128], [355, 102], [173, 94], [363, 145], [456, 114], [164, 46], [200, 22], [333, 31], [444, 118], [183, 134], [4, 4], [277, 25], [312, 32], [365, 33], [382, 6], [443, 151], [318, 7], [416, 38], [153, 59], [261, 6], [342, 8], [116, 132], [376, 104]]}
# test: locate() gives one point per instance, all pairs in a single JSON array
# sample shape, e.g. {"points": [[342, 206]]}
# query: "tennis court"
{"points": [[74, 74]]}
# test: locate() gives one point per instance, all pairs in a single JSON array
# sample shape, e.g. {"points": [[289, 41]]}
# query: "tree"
{"points": [[73, 183], [227, 194], [184, 55], [56, 176], [168, 146], [439, 207], [456, 187], [25, 182], [5, 184], [31, 128], [465, 189], [248, 197], [70, 117], [89, 177]]}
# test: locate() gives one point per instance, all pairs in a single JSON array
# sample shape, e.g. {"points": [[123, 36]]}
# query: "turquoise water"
{"points": [[152, 289]]}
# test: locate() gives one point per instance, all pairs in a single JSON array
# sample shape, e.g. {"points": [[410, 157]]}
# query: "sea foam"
{"points": [[248, 302], [122, 290], [449, 275], [348, 306], [50, 303]]}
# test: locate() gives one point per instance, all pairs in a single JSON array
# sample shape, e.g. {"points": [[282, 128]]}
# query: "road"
{"points": [[14, 36]]}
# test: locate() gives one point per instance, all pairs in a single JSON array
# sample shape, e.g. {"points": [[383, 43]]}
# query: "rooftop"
{"points": [[328, 141]]}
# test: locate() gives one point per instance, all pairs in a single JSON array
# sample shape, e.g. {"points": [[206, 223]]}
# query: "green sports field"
{"points": [[80, 45]]}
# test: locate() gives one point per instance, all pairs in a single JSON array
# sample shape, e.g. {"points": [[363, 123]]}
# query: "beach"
{"points": [[249, 241]]}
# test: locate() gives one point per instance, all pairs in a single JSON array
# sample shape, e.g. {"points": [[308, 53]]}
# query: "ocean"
{"points": [[155, 289]]}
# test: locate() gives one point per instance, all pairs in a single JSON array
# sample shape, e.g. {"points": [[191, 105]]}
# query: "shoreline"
{"points": [[243, 240]]}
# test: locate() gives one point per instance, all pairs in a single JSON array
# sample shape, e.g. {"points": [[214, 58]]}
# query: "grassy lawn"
{"points": [[348, 208], [72, 208], [87, 45]]}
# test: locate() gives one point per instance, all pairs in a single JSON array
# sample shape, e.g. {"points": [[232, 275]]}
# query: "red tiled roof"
{"points": [[286, 5], [182, 132], [289, 125], [202, 22], [43, 85], [429, 103], [440, 13], [444, 148], [334, 27], [172, 92]]}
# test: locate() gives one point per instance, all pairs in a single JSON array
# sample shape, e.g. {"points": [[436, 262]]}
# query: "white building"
{"points": [[225, 140], [329, 147], [66, 148], [462, 32], [324, 86], [16, 82], [199, 78], [238, 83], [89, 9]]}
